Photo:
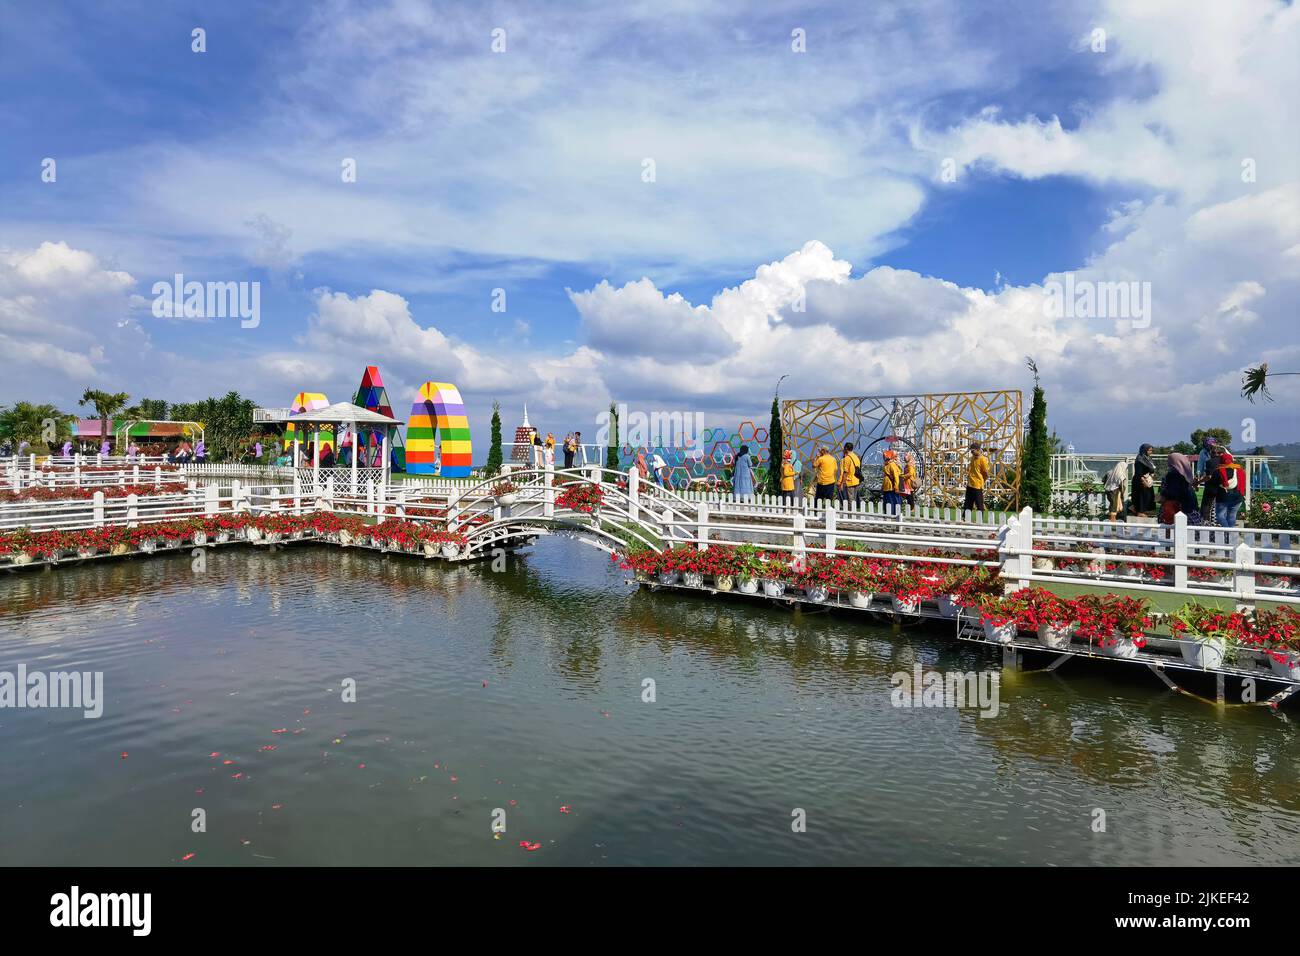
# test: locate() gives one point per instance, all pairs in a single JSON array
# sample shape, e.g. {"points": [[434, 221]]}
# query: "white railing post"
{"points": [[297, 491], [135, 474], [548, 490], [132, 510], [1243, 578], [830, 526], [1025, 544], [1008, 539], [210, 503], [1180, 552], [701, 526], [453, 509], [98, 509], [633, 493], [157, 475], [798, 542], [401, 503]]}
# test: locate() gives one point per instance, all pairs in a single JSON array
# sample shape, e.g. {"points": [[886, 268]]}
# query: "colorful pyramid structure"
{"points": [[438, 407], [374, 397], [309, 402], [523, 441]]}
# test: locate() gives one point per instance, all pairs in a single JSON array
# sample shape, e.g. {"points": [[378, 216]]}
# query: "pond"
{"points": [[517, 697]]}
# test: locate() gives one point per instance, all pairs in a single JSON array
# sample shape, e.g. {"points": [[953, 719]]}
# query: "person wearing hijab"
{"points": [[643, 470], [1142, 498], [1209, 455], [1113, 484], [909, 479], [1178, 491], [1231, 482], [742, 479], [787, 476]]}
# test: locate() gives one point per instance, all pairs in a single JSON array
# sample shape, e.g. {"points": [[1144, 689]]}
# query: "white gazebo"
{"points": [[339, 414]]}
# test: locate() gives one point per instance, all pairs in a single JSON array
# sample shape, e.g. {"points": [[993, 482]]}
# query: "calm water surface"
{"points": [[521, 690]]}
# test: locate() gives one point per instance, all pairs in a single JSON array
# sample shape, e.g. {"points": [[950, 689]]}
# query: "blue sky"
{"points": [[779, 176]]}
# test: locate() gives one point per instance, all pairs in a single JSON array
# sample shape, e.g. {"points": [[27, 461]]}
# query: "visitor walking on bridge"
{"points": [[1113, 484], [908, 491], [850, 475], [1178, 491], [787, 476], [890, 478], [742, 479], [1231, 484], [569, 449], [976, 475], [1142, 499], [824, 474]]}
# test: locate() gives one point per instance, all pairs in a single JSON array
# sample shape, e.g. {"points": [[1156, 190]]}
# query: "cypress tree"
{"points": [[1036, 457], [494, 454], [775, 439], [611, 454]]}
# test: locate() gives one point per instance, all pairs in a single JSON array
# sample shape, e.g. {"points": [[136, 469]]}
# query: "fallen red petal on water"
{"points": [[245, 842], [276, 806], [176, 710], [485, 683], [187, 856], [200, 790], [124, 755], [227, 762], [564, 809], [299, 730], [282, 730], [268, 747], [530, 847], [306, 711], [361, 766], [454, 778], [236, 776], [514, 802], [215, 753]]}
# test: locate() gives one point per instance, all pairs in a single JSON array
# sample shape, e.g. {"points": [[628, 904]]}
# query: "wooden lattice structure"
{"points": [[937, 427]]}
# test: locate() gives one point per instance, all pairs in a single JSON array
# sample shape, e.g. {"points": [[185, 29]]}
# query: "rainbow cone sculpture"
{"points": [[438, 407]]}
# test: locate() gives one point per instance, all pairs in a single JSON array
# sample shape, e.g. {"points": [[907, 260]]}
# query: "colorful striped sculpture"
{"points": [[309, 402], [438, 407], [373, 397]]}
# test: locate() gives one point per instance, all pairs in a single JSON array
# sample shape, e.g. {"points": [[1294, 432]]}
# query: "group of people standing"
{"points": [[544, 450], [1221, 480]]}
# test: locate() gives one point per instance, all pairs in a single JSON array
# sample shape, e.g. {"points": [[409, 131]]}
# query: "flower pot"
{"points": [[223, 537], [817, 593], [724, 582], [1000, 633], [21, 557], [149, 545], [119, 549], [173, 542], [693, 579], [773, 589], [1204, 652], [1122, 647], [252, 533], [904, 606], [948, 606], [87, 552], [1057, 637], [450, 550], [668, 577], [200, 538], [507, 500], [1132, 574], [860, 598], [273, 537], [1288, 668], [1044, 564], [747, 585]]}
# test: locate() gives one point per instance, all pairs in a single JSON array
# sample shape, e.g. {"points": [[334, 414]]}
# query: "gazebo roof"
{"points": [[343, 412]]}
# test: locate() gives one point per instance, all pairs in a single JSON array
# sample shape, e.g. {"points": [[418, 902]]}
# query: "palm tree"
{"points": [[1255, 381], [30, 423], [107, 404]]}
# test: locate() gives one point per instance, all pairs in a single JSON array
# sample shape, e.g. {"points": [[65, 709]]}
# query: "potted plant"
{"points": [[905, 587], [776, 573], [1115, 625], [998, 614], [720, 562], [1277, 631], [1047, 614], [819, 577], [1204, 633], [505, 491], [748, 567]]}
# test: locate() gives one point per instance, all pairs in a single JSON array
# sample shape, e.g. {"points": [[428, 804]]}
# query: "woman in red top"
{"points": [[1231, 491]]}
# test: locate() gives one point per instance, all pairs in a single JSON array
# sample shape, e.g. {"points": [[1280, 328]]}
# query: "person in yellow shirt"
{"points": [[824, 474], [908, 491], [891, 477], [850, 475], [787, 477], [976, 475]]}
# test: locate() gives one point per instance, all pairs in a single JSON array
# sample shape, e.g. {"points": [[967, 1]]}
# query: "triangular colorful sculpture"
{"points": [[438, 407], [373, 396]]}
